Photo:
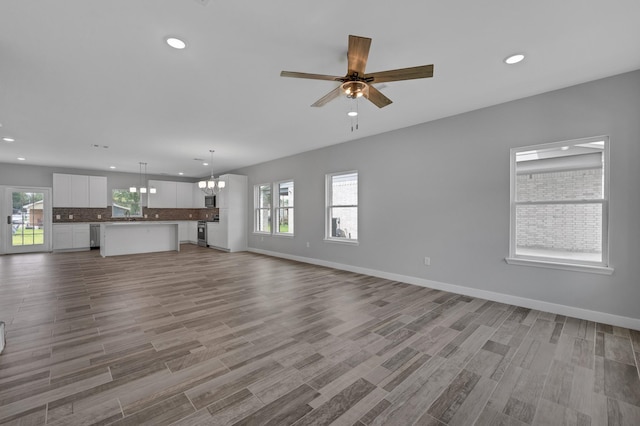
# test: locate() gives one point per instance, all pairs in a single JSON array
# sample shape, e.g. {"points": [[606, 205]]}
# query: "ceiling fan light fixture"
{"points": [[176, 43], [514, 59], [352, 113], [354, 89]]}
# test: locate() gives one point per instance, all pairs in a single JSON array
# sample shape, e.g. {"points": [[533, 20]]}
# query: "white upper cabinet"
{"points": [[97, 191], [171, 195], [198, 196], [184, 192], [76, 190], [166, 196], [62, 191]]}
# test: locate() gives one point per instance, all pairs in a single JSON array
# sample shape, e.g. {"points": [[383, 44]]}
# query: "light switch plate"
{"points": [[70, 216], [57, 217], [99, 216]]}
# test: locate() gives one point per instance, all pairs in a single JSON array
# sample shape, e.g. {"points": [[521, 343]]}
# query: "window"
{"points": [[342, 207], [262, 203], [125, 203], [283, 207], [559, 205], [278, 197]]}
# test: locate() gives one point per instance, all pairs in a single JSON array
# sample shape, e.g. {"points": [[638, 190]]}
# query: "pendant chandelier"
{"points": [[213, 185], [143, 187]]}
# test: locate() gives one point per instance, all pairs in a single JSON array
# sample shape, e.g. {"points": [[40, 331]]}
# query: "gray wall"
{"points": [[441, 189]]}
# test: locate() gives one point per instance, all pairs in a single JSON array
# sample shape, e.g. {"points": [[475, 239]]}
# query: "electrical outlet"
{"points": [[99, 216], [190, 215], [308, 245], [146, 216], [427, 261], [57, 217], [70, 216], [157, 216]]}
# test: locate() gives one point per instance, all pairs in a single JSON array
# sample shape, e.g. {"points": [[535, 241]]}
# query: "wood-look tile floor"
{"points": [[204, 337]]}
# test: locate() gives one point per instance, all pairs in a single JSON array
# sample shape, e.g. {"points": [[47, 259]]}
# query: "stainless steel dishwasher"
{"points": [[94, 235]]}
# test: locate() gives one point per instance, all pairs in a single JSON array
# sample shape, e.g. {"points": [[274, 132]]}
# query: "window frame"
{"points": [[328, 207], [602, 267], [275, 191], [257, 209]]}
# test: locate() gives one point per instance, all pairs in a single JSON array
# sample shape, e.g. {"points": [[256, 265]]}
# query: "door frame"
{"points": [[7, 209]]}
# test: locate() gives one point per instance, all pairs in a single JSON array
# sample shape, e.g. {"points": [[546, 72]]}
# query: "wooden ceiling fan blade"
{"points": [[411, 73], [376, 96], [358, 54], [309, 76], [328, 97]]}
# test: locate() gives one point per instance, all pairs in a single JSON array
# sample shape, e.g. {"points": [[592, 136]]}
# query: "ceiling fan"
{"points": [[358, 84]]}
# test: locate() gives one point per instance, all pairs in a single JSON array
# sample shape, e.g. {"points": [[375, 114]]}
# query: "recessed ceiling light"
{"points": [[8, 139], [514, 59], [180, 173], [352, 113], [564, 148], [176, 43], [112, 167], [205, 164], [21, 158]]}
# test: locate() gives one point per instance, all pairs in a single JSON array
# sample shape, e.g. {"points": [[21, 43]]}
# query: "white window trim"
{"points": [[256, 208], [565, 264], [276, 205], [328, 190]]}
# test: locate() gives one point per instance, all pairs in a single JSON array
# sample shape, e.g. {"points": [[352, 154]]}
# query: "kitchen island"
{"points": [[118, 238]]}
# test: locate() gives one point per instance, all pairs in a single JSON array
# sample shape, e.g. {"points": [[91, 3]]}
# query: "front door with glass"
{"points": [[28, 220]]}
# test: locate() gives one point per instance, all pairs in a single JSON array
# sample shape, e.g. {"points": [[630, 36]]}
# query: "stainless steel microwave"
{"points": [[210, 201]]}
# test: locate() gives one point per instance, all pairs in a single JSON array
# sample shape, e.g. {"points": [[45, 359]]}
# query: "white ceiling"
{"points": [[79, 73]]}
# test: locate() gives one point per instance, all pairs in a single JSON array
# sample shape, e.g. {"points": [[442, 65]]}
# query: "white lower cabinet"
{"points": [[71, 236], [192, 231], [217, 235], [183, 231]]}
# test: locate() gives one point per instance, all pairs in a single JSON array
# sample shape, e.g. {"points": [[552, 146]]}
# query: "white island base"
{"points": [[120, 238]]}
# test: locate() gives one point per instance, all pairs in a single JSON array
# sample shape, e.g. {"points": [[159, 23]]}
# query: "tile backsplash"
{"points": [[75, 215]]}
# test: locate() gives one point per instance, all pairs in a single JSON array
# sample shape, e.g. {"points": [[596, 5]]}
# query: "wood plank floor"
{"points": [[205, 337]]}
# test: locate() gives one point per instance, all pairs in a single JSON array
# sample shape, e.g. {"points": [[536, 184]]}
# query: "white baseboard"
{"points": [[540, 305]]}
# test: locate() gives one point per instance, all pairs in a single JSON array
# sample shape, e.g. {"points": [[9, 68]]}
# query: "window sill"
{"points": [[282, 235], [342, 241], [603, 270]]}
